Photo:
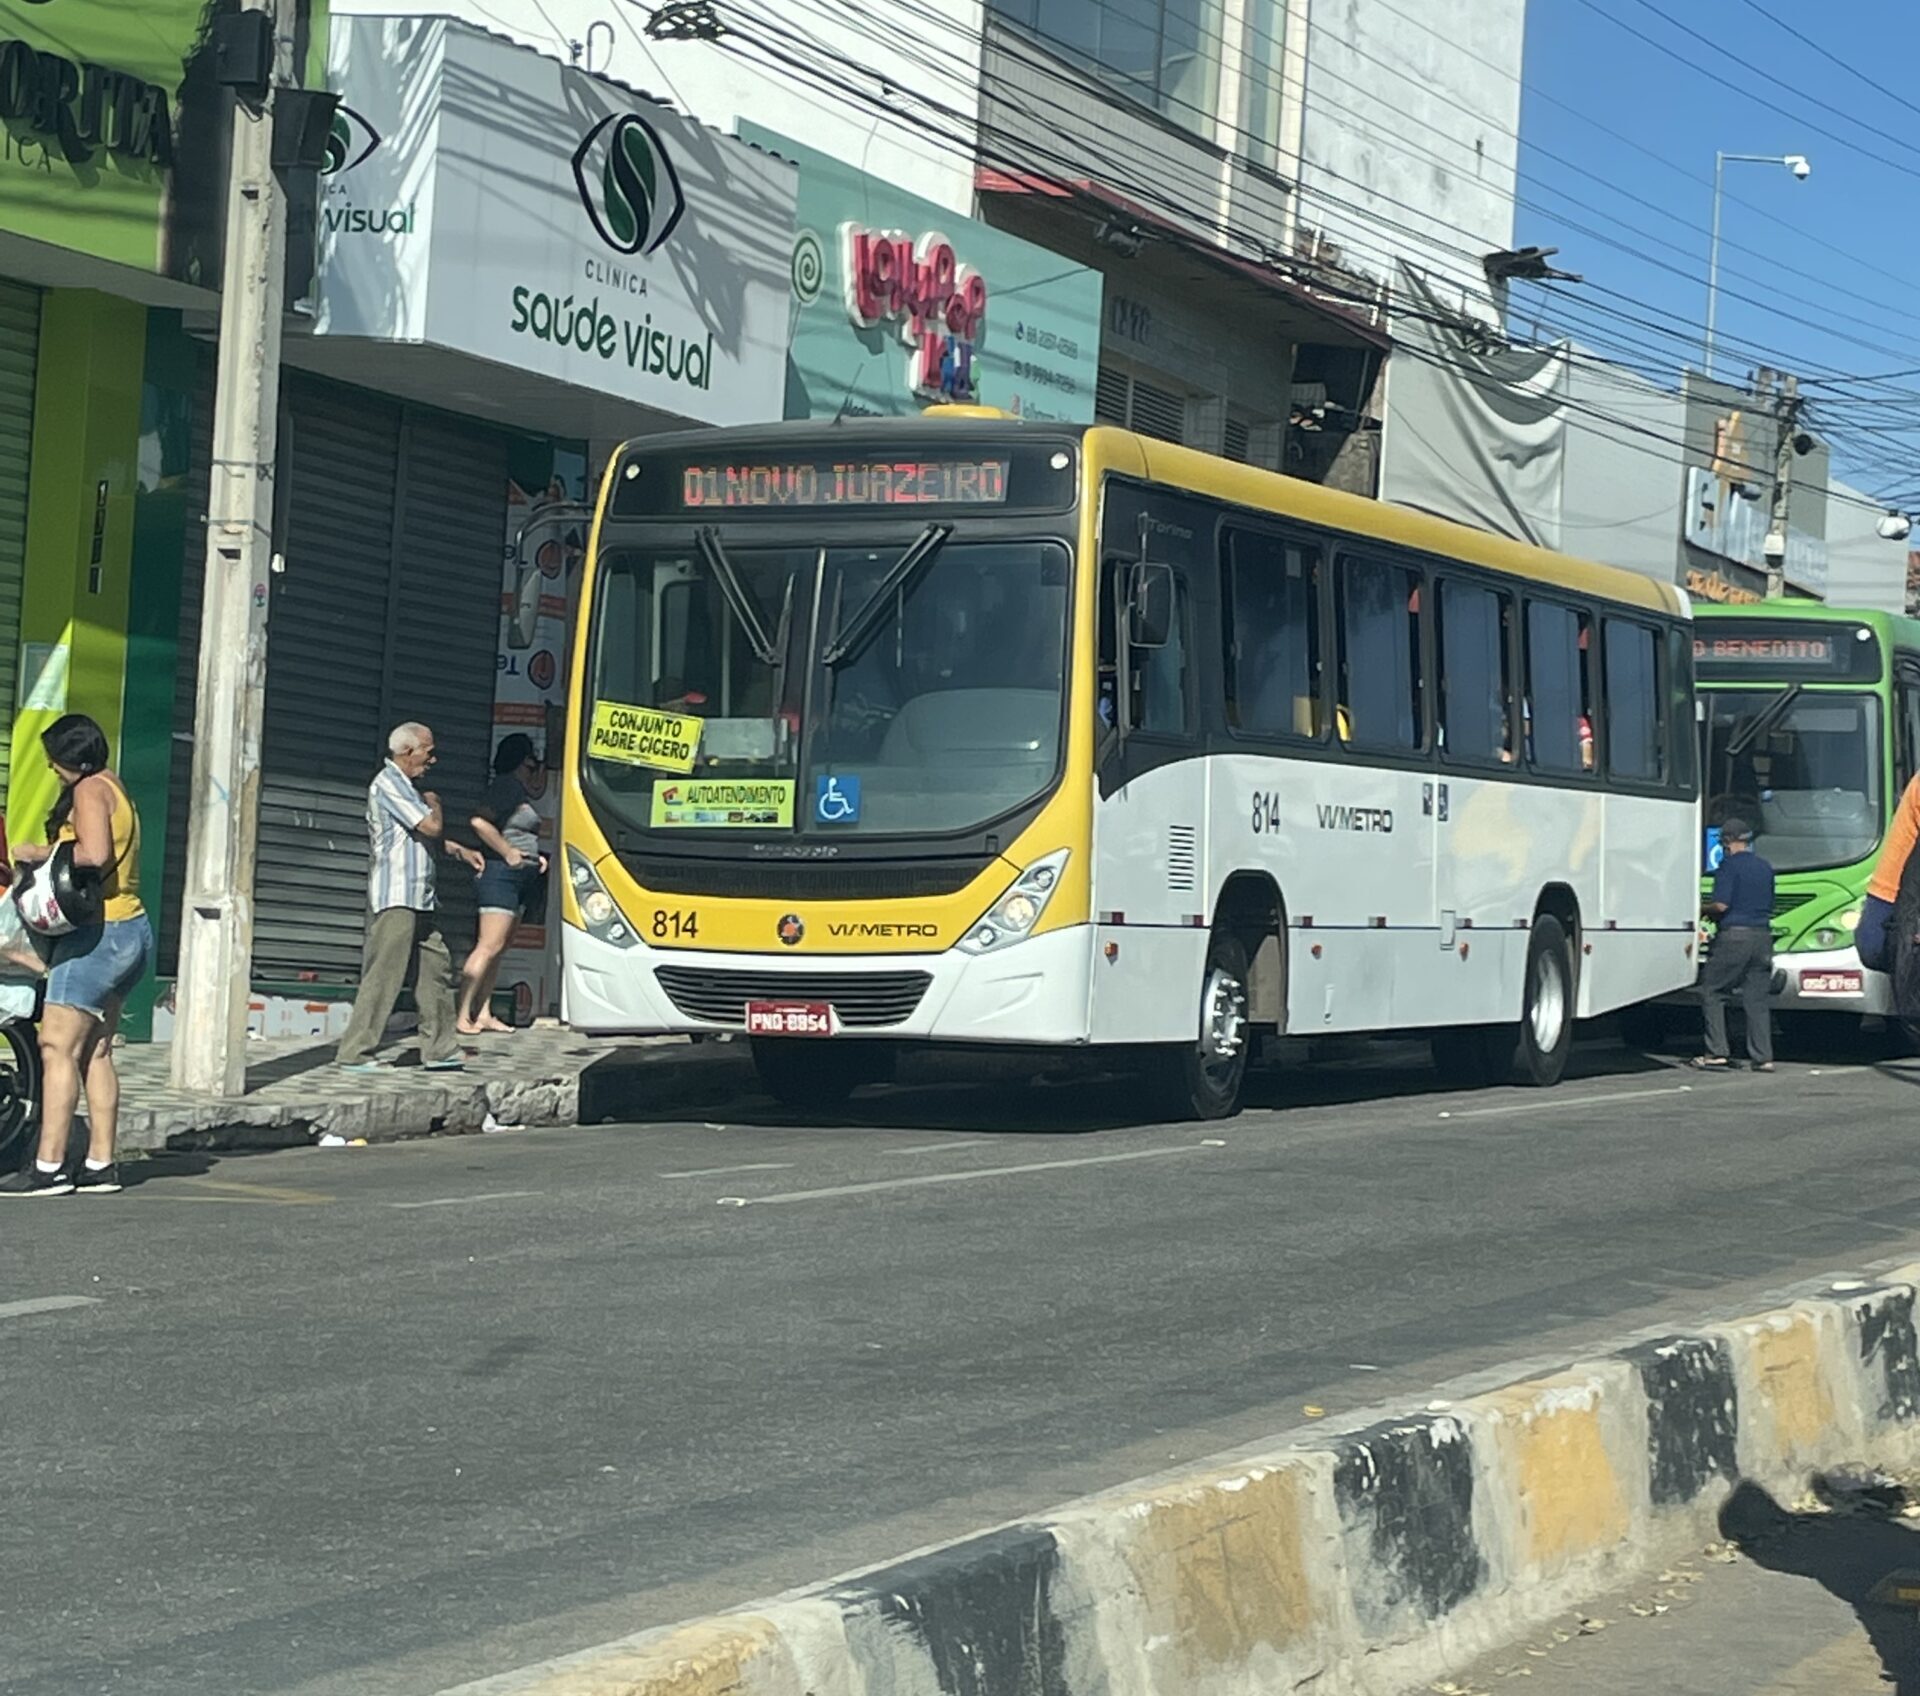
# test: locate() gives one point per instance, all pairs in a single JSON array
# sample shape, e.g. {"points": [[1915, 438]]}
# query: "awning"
{"points": [[1031, 206]]}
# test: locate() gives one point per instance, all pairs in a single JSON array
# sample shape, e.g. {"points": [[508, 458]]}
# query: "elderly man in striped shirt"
{"points": [[404, 825]]}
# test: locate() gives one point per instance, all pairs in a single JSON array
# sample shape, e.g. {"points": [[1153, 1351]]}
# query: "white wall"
{"points": [[1862, 569], [719, 83], [1408, 133]]}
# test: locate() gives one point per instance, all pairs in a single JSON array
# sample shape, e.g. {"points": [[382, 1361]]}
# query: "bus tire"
{"points": [[1546, 1010], [811, 1074], [19, 1092], [1203, 1079]]}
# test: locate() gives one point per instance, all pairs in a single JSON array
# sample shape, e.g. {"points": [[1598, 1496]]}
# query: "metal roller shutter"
{"points": [[444, 663], [326, 662], [19, 361], [388, 610]]}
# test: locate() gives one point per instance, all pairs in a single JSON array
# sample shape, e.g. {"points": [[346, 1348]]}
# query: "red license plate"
{"points": [[789, 1018], [1831, 983]]}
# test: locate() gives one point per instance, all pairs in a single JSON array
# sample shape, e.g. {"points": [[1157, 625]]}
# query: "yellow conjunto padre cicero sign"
{"points": [[643, 736]]}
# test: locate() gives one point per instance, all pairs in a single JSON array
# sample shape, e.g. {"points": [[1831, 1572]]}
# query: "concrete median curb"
{"points": [[1364, 1559]]}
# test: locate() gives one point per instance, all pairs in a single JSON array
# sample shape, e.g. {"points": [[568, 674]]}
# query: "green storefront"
{"points": [[113, 151]]}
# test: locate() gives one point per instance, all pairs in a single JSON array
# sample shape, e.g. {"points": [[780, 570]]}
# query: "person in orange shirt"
{"points": [[1883, 888]]}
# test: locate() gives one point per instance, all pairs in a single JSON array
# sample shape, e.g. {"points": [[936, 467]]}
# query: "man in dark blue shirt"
{"points": [[1742, 905]]}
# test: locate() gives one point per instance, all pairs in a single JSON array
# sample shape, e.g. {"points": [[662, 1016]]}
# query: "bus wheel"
{"points": [[810, 1073], [1546, 1015], [1203, 1079]]}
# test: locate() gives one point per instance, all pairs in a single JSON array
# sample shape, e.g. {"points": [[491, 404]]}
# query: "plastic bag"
{"points": [[19, 956]]}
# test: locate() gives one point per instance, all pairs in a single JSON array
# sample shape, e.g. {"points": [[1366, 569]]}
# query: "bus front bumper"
{"points": [[1035, 991], [1826, 980]]}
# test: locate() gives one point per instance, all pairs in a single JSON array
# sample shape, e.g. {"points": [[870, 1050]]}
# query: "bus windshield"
{"points": [[1803, 768], [913, 687]]}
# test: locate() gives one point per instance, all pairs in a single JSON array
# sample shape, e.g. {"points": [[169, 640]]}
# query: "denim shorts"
{"points": [[96, 965], [501, 888]]}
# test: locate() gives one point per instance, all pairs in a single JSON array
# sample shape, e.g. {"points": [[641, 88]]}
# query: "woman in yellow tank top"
{"points": [[91, 968]]}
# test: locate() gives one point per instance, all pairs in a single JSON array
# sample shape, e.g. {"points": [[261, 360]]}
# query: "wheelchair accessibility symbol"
{"points": [[836, 800]]}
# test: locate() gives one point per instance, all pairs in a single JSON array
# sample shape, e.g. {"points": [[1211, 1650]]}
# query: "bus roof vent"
{"points": [[954, 409]]}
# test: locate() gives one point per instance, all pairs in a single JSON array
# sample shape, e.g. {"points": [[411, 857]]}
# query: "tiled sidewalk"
{"points": [[537, 1076]]}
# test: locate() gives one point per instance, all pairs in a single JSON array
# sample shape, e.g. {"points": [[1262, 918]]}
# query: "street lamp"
{"points": [[1794, 162]]}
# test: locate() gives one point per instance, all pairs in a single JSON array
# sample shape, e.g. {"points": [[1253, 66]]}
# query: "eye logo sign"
{"points": [[349, 142], [628, 184]]}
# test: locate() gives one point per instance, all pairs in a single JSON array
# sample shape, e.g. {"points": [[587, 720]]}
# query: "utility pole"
{"points": [[216, 924], [1786, 412]]}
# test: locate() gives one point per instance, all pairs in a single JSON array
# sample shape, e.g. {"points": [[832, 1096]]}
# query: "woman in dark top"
{"points": [[510, 882]]}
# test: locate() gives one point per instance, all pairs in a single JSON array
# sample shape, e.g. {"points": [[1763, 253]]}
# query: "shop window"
{"points": [[1162, 53]]}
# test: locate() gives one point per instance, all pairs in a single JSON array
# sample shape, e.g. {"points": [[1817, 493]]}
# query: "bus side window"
{"points": [[1682, 731], [1631, 658], [1159, 675], [1381, 698], [1560, 705], [1906, 747], [1270, 625], [1476, 684]]}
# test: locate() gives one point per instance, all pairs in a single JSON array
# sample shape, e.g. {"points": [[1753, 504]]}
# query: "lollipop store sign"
{"points": [[938, 305]]}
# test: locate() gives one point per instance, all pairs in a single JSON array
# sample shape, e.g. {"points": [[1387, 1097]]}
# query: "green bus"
{"points": [[1809, 729]]}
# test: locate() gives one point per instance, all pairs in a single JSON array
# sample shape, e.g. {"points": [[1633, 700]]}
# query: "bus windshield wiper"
{"points": [[1764, 721], [727, 575], [900, 577]]}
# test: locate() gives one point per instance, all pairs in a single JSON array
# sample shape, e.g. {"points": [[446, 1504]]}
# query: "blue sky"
{"points": [[1635, 222]]}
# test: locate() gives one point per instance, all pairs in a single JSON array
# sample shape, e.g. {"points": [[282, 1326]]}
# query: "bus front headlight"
{"points": [[1016, 913], [599, 912]]}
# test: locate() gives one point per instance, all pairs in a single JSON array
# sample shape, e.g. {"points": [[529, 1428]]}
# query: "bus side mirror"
{"points": [[524, 609], [1149, 604]]}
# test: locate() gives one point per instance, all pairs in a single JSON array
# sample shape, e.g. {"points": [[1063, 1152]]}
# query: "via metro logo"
{"points": [[628, 184]]}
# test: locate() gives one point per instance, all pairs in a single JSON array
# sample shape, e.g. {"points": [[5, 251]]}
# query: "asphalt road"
{"points": [[387, 1419]]}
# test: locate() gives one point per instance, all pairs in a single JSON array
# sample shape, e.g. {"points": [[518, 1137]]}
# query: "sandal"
{"points": [[1708, 1063]]}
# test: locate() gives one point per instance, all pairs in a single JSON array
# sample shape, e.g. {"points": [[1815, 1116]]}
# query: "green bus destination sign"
{"points": [[812, 483], [1747, 650]]}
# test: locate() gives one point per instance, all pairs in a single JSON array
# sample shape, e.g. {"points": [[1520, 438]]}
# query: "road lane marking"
{"points": [[45, 1304], [955, 1177], [721, 1171], [228, 1191], [463, 1200], [1547, 1100], [941, 1147]]}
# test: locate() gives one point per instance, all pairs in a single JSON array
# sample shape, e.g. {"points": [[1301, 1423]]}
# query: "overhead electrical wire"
{"points": [[827, 82]]}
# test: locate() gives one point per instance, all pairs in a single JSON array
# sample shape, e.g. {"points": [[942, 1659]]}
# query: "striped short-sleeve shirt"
{"points": [[400, 872]]}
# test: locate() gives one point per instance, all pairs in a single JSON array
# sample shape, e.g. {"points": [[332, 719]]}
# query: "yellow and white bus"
{"points": [[960, 730]]}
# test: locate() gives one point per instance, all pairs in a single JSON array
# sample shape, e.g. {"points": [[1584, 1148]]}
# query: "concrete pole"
{"points": [[1788, 413], [216, 922], [1713, 257]]}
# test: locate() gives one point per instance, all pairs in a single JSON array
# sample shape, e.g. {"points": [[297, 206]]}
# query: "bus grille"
{"points": [[1784, 904], [864, 1000]]}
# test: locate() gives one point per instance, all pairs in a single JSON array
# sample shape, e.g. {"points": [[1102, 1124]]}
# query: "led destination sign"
{"points": [[820, 483], [1817, 652], [862, 477]]}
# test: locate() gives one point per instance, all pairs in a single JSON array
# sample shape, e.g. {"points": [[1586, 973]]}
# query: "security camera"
{"points": [[1797, 164], [1895, 527], [1774, 547]]}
